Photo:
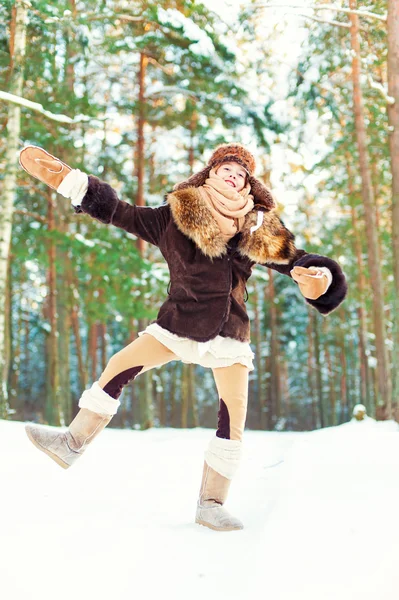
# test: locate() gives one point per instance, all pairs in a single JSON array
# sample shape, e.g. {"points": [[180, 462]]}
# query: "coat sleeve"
{"points": [[338, 288], [102, 203]]}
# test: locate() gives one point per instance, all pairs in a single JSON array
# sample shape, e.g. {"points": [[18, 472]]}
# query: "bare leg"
{"points": [[224, 451], [232, 385], [99, 403], [144, 353]]}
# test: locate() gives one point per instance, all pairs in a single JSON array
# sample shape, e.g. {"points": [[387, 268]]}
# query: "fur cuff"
{"points": [[100, 201], [336, 291], [74, 186], [98, 401], [224, 456]]}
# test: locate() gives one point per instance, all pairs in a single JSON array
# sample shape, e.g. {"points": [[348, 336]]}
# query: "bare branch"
{"points": [[361, 13], [168, 69], [35, 216]]}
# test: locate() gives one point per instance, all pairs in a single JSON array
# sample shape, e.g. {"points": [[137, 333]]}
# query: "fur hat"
{"points": [[233, 153]]}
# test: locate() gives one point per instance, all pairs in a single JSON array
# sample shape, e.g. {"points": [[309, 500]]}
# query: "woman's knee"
{"points": [[231, 417], [117, 382]]}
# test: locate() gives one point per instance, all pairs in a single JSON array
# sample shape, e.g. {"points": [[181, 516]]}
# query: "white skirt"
{"points": [[219, 352]]}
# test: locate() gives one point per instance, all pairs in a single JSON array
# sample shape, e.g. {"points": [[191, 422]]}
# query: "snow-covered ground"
{"points": [[320, 512]]}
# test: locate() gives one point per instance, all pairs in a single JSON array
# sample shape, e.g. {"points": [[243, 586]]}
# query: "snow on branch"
{"points": [[336, 23], [39, 108], [115, 17], [361, 13], [171, 89], [67, 14], [383, 91]]}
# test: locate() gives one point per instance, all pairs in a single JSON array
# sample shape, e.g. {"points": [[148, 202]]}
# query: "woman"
{"points": [[212, 229]]}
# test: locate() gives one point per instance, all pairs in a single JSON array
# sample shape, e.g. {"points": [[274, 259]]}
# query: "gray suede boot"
{"points": [[65, 447], [213, 494]]}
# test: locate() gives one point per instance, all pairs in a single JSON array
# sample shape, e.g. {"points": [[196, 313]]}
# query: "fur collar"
{"points": [[270, 243]]}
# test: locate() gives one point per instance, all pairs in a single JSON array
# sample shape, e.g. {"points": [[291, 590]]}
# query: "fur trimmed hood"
{"points": [[264, 237], [233, 153]]}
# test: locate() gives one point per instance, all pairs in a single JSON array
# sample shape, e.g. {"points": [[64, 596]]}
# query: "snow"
{"points": [[201, 42], [319, 508]]}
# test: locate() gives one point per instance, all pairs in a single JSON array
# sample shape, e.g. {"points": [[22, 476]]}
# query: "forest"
{"points": [[139, 93]]}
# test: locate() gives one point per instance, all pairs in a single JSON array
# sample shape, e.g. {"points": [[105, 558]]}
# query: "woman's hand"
{"points": [[44, 166], [312, 282]]}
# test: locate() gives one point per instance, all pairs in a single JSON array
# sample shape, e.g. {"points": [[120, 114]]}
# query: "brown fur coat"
{"points": [[208, 276]]}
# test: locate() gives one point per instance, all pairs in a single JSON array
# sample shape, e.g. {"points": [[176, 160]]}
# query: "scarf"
{"points": [[227, 206]]}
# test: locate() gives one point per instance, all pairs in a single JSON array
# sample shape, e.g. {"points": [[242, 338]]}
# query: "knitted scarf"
{"points": [[228, 207]]}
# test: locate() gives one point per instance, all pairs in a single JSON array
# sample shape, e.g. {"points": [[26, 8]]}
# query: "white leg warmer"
{"points": [[224, 456], [98, 401], [74, 186]]}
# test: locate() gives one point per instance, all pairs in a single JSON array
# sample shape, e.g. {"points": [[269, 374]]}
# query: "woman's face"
{"points": [[233, 174]]}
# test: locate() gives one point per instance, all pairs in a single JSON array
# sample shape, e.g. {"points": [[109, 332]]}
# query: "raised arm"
{"points": [[336, 282], [93, 196], [101, 202], [267, 241]]}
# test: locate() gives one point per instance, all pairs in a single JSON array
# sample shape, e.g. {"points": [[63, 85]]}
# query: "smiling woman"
{"points": [[233, 174], [212, 230], [227, 195]]}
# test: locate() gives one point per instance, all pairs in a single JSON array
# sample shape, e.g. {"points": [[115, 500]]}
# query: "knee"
{"points": [[231, 417], [115, 359], [115, 385]]}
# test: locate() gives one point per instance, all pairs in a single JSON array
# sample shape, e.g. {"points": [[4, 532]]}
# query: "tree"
{"points": [[19, 17]]}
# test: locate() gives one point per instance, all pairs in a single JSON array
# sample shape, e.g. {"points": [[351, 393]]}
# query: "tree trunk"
{"points": [[18, 25], [184, 397], [53, 412], [76, 330], [393, 119], [91, 359], [285, 393], [64, 324], [171, 410], [259, 408], [8, 334], [64, 316], [16, 399], [102, 332], [146, 402], [317, 363], [331, 378], [146, 389], [193, 396], [344, 378], [361, 288], [268, 394], [311, 381], [274, 352], [135, 386], [161, 399], [383, 374], [191, 151], [140, 141]]}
